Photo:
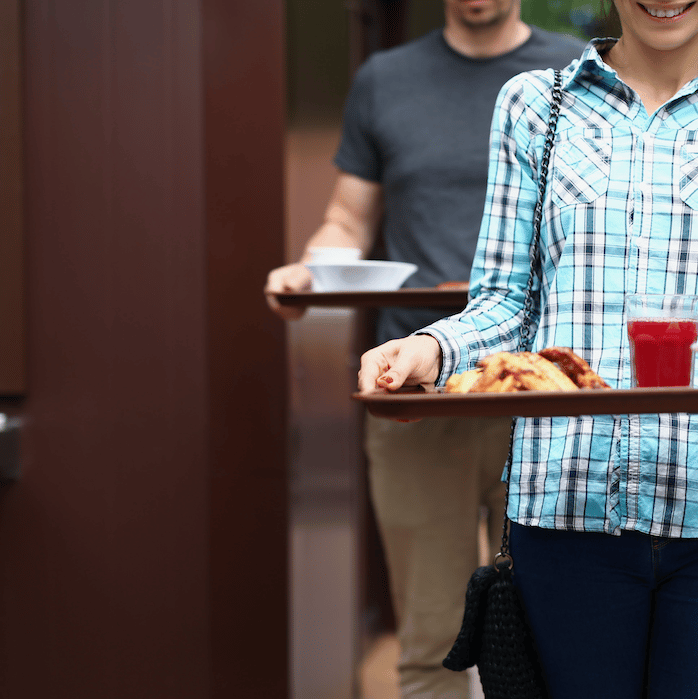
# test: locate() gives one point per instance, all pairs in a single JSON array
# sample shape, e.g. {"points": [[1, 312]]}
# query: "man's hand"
{"points": [[289, 279], [411, 361], [351, 220]]}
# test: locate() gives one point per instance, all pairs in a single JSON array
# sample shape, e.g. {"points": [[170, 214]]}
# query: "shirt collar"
{"points": [[591, 61]]}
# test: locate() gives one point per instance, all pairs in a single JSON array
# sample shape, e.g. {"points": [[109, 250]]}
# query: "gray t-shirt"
{"points": [[417, 120]]}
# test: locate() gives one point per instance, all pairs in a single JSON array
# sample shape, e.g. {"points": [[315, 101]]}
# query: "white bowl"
{"points": [[334, 254], [362, 275]]}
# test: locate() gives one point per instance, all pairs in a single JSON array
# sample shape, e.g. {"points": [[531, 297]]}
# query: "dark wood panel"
{"points": [[12, 300], [143, 551], [243, 64], [104, 540]]}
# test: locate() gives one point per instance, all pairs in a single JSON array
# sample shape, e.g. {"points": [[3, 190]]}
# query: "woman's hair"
{"points": [[610, 21]]}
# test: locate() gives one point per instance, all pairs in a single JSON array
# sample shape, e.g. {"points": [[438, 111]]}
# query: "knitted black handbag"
{"points": [[494, 634]]}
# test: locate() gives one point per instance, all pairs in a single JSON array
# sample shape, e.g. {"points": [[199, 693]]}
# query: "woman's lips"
{"points": [[666, 13]]}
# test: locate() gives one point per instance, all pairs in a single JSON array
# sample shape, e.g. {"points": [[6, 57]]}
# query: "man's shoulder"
{"points": [[555, 43], [411, 52]]}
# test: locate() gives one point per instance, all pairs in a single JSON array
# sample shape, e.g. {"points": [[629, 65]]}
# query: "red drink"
{"points": [[661, 351]]}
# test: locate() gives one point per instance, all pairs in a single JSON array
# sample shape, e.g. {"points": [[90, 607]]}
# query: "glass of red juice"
{"points": [[661, 330]]}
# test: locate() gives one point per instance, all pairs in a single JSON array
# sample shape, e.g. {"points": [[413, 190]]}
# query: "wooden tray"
{"points": [[416, 403], [422, 297]]}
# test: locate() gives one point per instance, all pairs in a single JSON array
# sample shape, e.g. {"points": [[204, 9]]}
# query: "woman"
{"points": [[604, 509]]}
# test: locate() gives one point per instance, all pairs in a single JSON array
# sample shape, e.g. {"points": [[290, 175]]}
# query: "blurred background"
{"points": [[182, 497]]}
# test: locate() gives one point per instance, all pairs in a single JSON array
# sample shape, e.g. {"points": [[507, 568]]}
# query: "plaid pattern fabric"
{"points": [[621, 216]]}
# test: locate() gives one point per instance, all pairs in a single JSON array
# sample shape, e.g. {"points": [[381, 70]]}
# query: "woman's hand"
{"points": [[411, 361]]}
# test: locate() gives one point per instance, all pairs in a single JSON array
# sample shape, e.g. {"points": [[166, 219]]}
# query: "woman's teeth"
{"points": [[666, 13]]}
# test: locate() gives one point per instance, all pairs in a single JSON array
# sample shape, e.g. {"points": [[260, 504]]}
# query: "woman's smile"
{"points": [[654, 26], [666, 13]]}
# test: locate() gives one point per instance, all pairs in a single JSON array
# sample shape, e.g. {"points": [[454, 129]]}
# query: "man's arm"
{"points": [[351, 220]]}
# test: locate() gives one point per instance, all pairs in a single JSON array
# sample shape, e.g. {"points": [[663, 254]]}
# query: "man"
{"points": [[413, 162]]}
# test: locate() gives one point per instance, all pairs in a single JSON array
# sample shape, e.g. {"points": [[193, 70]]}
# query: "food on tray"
{"points": [[551, 369], [524, 371], [462, 383], [574, 366], [453, 286]]}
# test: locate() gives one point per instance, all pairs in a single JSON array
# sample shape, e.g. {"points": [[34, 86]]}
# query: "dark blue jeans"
{"points": [[613, 617]]}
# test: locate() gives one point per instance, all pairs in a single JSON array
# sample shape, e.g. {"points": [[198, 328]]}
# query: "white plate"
{"points": [[362, 275]]}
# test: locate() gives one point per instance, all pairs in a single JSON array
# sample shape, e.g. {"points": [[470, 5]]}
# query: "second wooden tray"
{"points": [[428, 297]]}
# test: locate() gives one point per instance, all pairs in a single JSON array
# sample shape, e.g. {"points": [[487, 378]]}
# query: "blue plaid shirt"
{"points": [[621, 216]]}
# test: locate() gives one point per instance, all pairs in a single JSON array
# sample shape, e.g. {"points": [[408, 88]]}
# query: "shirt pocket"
{"points": [[688, 174], [581, 166]]}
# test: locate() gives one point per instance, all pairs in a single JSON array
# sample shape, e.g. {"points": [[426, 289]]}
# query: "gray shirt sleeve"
{"points": [[358, 151]]}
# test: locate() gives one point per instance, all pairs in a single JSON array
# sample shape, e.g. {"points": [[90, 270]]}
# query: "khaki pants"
{"points": [[429, 480]]}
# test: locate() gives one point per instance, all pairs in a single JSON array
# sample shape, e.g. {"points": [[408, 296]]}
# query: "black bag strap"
{"points": [[526, 337]]}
